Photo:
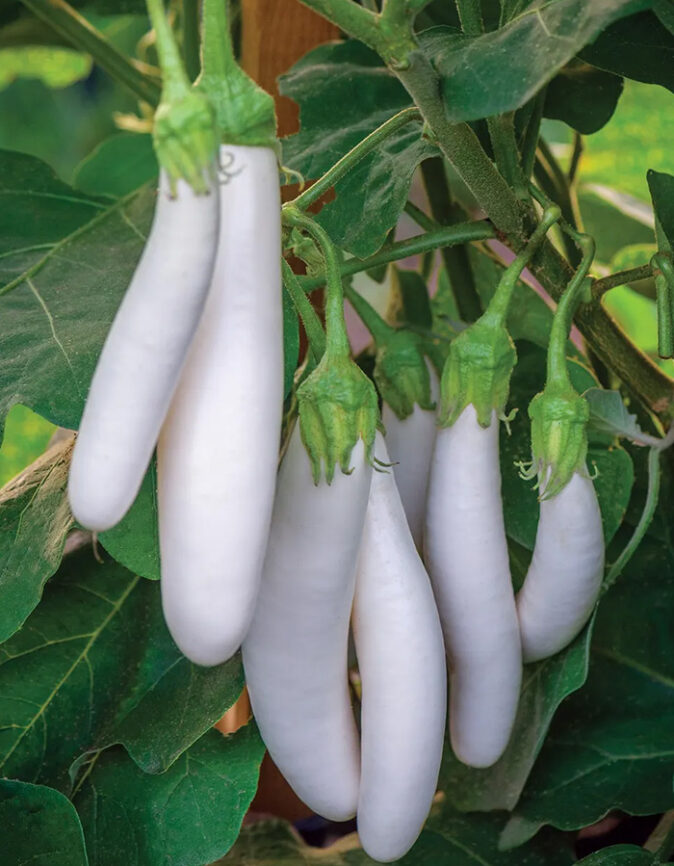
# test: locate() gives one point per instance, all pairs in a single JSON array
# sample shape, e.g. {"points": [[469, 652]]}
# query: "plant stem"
{"points": [[353, 157], [620, 278], [379, 329], [650, 505], [310, 321], [428, 224], [664, 297], [458, 234], [498, 306], [576, 155], [79, 32], [455, 259], [337, 340], [470, 15], [217, 51], [530, 140], [191, 38], [561, 324], [174, 77], [460, 145], [502, 135], [351, 18], [661, 840]]}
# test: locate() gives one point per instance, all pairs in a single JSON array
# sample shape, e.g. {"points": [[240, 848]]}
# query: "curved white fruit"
{"points": [[218, 450], [295, 654], [144, 351], [564, 578], [467, 559], [410, 444], [401, 657]]}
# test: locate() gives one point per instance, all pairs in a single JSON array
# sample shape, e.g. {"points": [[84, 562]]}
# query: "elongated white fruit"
{"points": [[410, 444], [295, 654], [467, 559], [401, 657], [564, 578], [144, 351], [218, 449]]}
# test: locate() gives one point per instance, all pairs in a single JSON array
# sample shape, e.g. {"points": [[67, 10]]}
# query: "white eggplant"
{"points": [[401, 659], [410, 444], [564, 578], [218, 449], [143, 354], [467, 559], [295, 654]]}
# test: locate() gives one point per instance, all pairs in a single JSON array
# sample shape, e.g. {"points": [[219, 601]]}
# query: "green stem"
{"points": [[353, 157], [502, 134], [174, 77], [428, 224], [63, 19], [351, 18], [620, 278], [650, 505], [666, 847], [576, 155], [470, 15], [458, 234], [218, 59], [561, 324], [498, 306], [530, 140], [380, 330], [455, 259], [191, 41], [664, 294], [337, 339], [460, 145], [311, 322]]}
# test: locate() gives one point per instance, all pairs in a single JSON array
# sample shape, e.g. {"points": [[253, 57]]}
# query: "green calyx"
{"points": [[478, 370], [401, 373], [184, 138], [337, 406], [244, 112], [559, 419]]}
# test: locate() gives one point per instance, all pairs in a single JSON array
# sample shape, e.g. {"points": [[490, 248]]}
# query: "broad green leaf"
{"points": [[134, 542], [95, 665], [583, 96], [40, 827], [56, 67], [665, 12], [459, 840], [37, 211], [118, 166], [545, 685], [661, 186], [619, 855], [609, 415], [610, 744], [190, 815], [638, 47], [537, 42], [612, 222], [34, 522], [370, 198]]}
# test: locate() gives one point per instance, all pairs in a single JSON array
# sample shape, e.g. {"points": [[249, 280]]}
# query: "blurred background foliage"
{"points": [[54, 106]]}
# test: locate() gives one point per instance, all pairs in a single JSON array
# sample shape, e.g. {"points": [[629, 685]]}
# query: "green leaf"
{"points": [[619, 855], [51, 337], [40, 827], [583, 96], [94, 665], [34, 522], [134, 541], [661, 186], [663, 9], [118, 166], [610, 744], [538, 42], [55, 67], [544, 686], [453, 839], [638, 47], [609, 415], [36, 212], [191, 814], [371, 197]]}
